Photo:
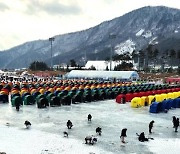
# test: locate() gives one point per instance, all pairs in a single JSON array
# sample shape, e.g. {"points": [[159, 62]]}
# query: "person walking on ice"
{"points": [[174, 121], [176, 125], [151, 126]]}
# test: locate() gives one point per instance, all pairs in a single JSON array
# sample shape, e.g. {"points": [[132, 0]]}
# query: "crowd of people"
{"points": [[93, 138]]}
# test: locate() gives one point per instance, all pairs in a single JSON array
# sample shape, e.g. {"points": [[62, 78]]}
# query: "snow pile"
{"points": [[24, 141]]}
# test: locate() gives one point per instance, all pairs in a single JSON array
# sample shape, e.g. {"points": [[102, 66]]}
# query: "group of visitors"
{"points": [[141, 136], [88, 139], [93, 139]]}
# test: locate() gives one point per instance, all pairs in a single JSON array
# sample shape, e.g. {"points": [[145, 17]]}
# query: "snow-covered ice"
{"points": [[46, 133]]}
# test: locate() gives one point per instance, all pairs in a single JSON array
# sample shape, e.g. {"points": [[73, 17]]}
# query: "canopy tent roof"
{"points": [[91, 74]]}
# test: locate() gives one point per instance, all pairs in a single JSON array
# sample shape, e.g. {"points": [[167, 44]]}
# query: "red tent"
{"points": [[120, 99]]}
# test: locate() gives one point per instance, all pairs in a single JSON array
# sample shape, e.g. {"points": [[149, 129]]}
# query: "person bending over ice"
{"points": [[123, 135], [69, 124], [27, 124], [89, 117]]}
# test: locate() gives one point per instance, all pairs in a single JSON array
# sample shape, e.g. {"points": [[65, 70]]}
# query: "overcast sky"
{"points": [[28, 20]]}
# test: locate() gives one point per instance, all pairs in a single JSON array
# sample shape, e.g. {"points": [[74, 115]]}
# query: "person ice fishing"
{"points": [[142, 137], [69, 124], [99, 130], [176, 124], [89, 117], [123, 135], [151, 126], [173, 121], [27, 124], [90, 140]]}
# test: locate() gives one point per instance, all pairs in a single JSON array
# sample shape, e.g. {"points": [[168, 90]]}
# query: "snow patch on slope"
{"points": [[139, 33], [127, 46], [147, 34], [153, 41], [176, 31]]}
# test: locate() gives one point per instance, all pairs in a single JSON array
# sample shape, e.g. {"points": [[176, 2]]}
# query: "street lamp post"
{"points": [[51, 39], [111, 36]]}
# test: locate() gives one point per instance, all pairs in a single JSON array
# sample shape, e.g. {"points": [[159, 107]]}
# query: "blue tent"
{"points": [[166, 104], [163, 106], [155, 107], [174, 103], [177, 102], [170, 104]]}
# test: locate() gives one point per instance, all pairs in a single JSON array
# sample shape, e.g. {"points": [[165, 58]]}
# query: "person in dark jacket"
{"points": [[176, 124], [89, 117], [99, 130], [123, 135], [17, 104], [69, 124], [173, 121], [142, 137], [151, 126]]}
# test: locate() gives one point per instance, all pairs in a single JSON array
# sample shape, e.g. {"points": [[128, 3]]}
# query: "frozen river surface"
{"points": [[46, 133]]}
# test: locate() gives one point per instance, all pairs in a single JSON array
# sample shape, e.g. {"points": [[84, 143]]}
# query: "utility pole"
{"points": [[111, 36], [51, 39], [85, 58]]}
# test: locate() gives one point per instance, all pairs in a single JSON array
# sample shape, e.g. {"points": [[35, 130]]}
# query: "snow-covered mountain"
{"points": [[135, 30]]}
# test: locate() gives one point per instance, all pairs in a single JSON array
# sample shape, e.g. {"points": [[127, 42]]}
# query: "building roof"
{"points": [[90, 74]]}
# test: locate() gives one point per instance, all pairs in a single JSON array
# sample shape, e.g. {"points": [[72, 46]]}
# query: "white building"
{"points": [[101, 65]]}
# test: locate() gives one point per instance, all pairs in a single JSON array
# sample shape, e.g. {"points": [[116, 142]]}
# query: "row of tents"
{"points": [[123, 98], [164, 106], [65, 92], [147, 100]]}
